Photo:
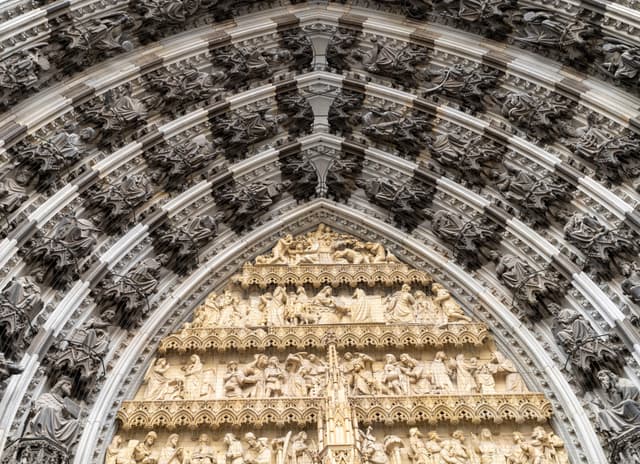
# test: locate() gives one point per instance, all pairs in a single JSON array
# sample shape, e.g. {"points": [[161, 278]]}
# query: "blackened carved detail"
{"points": [[466, 85], [237, 131], [298, 44], [80, 357], [340, 49], [241, 65], [298, 111], [23, 72], [243, 204], [340, 180], [631, 284], [621, 61], [12, 195], [406, 202], [586, 350], [344, 112], [182, 244], [533, 291], [177, 161], [161, 16], [538, 198], [472, 159], [544, 117], [57, 255], [472, 240], [175, 89], [124, 299], [405, 65], [302, 175], [493, 18], [117, 203], [409, 133], [20, 302], [602, 247]]}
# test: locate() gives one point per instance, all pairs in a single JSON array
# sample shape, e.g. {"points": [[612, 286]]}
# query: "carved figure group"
{"points": [[192, 382], [440, 309]]}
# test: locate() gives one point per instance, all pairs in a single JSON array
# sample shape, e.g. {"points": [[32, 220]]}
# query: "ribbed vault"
{"points": [[519, 150]]}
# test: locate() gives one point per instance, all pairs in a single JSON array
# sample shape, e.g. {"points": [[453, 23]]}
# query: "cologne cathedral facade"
{"points": [[319, 232]]}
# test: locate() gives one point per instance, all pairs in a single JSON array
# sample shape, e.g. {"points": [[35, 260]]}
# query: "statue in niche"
{"points": [[514, 383], [273, 378], [392, 378], [142, 453], [587, 351], [358, 374], [360, 310], [204, 452], [485, 447], [198, 382], [621, 413], [417, 375], [258, 451], [371, 450], [160, 387], [484, 378], [448, 306], [465, 370], [55, 416], [400, 305], [454, 451], [235, 450], [440, 374], [172, 453], [300, 452]]}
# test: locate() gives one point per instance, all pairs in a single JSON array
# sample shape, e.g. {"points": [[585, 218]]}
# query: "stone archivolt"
{"points": [[351, 352]]}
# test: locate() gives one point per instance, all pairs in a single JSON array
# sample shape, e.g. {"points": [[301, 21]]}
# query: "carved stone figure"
{"points": [[58, 254], [7, 369], [454, 451], [621, 412], [514, 383], [55, 416], [204, 452], [358, 373], [467, 85], [409, 133], [176, 89], [244, 204], [176, 161], [44, 162], [532, 290], [518, 454], [360, 310], [123, 300], [544, 117], [115, 112], [116, 454], [20, 302], [341, 176], [491, 17], [486, 448], [402, 64], [587, 351], [99, 37], [300, 451], [372, 451], [406, 202], [240, 65], [614, 156], [340, 47], [117, 203], [298, 44], [142, 453], [302, 175], [298, 111], [471, 239], [440, 374], [12, 196], [471, 159], [161, 387], [172, 453], [183, 243], [538, 198], [159, 16], [22, 72], [484, 378], [600, 245], [258, 451], [198, 383], [235, 450], [465, 370], [80, 357], [392, 378], [631, 284], [621, 60], [237, 132], [448, 307], [400, 306], [344, 112], [416, 373]]}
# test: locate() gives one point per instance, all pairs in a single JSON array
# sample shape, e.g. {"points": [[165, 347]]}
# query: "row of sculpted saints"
{"points": [[283, 308], [323, 246], [291, 449]]}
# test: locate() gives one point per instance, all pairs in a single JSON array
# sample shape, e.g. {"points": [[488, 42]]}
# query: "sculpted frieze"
{"points": [[182, 244], [243, 204], [20, 302], [472, 159], [57, 255], [406, 202], [115, 205], [603, 248], [538, 198], [124, 299], [533, 290], [473, 240]]}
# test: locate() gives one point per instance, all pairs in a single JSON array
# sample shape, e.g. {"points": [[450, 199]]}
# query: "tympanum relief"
{"points": [[304, 354]]}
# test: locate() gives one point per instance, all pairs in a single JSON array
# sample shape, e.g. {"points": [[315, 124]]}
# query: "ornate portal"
{"points": [[331, 350]]}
